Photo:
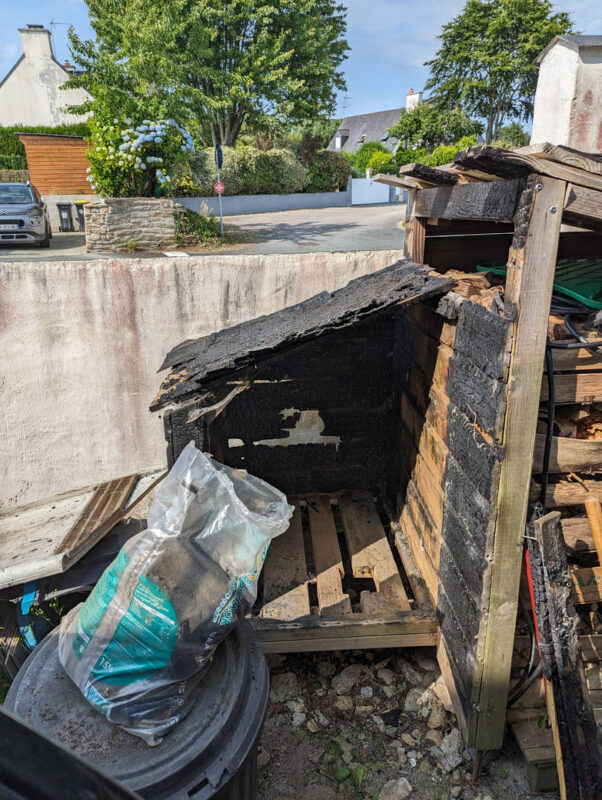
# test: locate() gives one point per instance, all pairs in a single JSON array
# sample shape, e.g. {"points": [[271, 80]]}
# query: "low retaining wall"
{"points": [[130, 223], [82, 342], [264, 203]]}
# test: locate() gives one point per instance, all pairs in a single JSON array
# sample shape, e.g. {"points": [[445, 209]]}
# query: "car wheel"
{"points": [[45, 242]]}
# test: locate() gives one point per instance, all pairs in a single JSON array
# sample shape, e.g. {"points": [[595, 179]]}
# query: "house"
{"points": [[568, 99], [356, 130], [30, 94]]}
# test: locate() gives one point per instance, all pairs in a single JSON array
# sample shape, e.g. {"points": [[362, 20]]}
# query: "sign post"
{"points": [[219, 186]]}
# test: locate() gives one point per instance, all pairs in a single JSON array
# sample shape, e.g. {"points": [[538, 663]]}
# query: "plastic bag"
{"points": [[138, 647]]}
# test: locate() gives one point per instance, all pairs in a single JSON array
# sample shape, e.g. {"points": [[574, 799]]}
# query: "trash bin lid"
{"points": [[205, 749]]}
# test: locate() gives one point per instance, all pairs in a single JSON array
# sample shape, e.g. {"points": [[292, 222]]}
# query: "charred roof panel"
{"points": [[196, 362]]}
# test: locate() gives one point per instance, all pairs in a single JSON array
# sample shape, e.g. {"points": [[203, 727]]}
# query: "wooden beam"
{"points": [[579, 387], [489, 202], [393, 180], [577, 535], [422, 172], [415, 238], [528, 296], [567, 697], [568, 455], [583, 207], [572, 493], [590, 162], [512, 164], [587, 585]]}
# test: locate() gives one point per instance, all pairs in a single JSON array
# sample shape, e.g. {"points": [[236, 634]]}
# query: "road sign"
{"points": [[219, 187]]}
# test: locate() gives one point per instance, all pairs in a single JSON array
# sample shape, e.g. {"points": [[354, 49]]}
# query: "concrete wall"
{"points": [[263, 203], [568, 99], [82, 341], [30, 94]]}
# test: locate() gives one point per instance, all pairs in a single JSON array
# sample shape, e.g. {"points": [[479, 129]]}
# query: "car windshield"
{"points": [[16, 194]]}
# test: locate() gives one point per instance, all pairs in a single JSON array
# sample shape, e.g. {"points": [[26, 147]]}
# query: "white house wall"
{"points": [[31, 93]]}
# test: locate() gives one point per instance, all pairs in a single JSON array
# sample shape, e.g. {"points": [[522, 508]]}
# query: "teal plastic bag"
{"points": [[138, 647]]}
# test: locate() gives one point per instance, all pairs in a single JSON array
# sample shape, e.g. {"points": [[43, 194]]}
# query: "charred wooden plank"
{"points": [[590, 162], [513, 164], [490, 202], [577, 743], [422, 172]]}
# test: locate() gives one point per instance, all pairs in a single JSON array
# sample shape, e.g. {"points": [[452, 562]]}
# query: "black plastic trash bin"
{"points": [[79, 207], [65, 217], [211, 754]]}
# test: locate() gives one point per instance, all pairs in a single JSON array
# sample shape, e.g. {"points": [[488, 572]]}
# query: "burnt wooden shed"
{"points": [[399, 415]]}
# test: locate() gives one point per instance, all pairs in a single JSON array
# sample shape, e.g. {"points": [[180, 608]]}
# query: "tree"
{"points": [[427, 126], [219, 64], [511, 135], [485, 63]]}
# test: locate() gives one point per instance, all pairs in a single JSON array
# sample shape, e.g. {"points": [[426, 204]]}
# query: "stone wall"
{"points": [[82, 342], [130, 223]]}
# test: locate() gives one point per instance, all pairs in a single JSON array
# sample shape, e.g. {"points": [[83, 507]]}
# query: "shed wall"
{"points": [[57, 164]]}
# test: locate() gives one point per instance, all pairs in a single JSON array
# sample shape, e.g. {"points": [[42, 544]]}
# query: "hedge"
{"points": [[328, 172], [12, 152]]}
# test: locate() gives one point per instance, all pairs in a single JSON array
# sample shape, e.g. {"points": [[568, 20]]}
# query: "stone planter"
{"points": [[130, 223]]}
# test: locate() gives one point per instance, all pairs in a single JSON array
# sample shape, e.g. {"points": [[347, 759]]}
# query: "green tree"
{"points": [[427, 126], [484, 65], [511, 135], [220, 64]]}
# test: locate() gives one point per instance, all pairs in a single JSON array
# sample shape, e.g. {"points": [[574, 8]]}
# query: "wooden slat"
{"points": [[415, 233], [583, 207], [582, 387], [436, 177], [511, 163], [285, 591], [306, 642], [587, 585], [590, 162], [421, 557], [528, 294], [491, 202], [392, 180], [327, 558], [370, 551], [578, 359], [568, 455]]}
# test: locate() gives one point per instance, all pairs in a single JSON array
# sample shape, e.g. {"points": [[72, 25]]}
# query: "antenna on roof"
{"points": [[345, 103]]}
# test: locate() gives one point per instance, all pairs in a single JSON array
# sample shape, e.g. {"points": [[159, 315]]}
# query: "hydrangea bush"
{"points": [[128, 161]]}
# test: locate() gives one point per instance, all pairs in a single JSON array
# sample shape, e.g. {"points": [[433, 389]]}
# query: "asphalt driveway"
{"points": [[374, 227]]}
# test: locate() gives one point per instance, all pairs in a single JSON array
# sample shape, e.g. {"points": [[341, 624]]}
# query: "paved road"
{"points": [[375, 227]]}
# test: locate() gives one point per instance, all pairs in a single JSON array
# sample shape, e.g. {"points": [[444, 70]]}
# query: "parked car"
{"points": [[23, 215]]}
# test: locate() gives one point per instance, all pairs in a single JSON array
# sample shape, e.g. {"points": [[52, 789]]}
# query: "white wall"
{"points": [[81, 343], [363, 191], [31, 94], [568, 99]]}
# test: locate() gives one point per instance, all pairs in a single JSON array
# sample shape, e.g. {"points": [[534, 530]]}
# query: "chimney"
{"points": [[35, 40], [413, 99], [68, 67]]}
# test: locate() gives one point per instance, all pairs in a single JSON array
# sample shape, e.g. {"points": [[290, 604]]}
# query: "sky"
{"points": [[390, 40]]}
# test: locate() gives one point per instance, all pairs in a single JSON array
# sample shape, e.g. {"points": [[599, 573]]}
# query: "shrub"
{"points": [[381, 162], [135, 162], [365, 152], [193, 228], [277, 172], [12, 152], [233, 173], [328, 172]]}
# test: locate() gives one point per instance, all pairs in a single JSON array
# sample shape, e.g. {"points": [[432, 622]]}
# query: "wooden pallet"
{"points": [[333, 582]]}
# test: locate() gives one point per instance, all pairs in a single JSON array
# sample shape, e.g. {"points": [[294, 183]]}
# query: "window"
{"points": [[362, 138], [16, 194], [385, 136]]}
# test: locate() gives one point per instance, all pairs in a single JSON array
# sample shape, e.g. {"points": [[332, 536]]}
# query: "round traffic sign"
{"points": [[219, 187]]}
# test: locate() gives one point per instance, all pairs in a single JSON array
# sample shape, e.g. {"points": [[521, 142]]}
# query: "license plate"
{"points": [[9, 227]]}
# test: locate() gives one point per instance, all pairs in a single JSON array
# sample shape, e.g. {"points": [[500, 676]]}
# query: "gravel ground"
{"points": [[373, 724]]}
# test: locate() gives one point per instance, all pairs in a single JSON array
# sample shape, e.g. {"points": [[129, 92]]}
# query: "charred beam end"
{"points": [[494, 160], [194, 363], [429, 174], [562, 660], [486, 201]]}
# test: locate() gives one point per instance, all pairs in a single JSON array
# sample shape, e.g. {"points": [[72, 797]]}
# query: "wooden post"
{"points": [[532, 261]]}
